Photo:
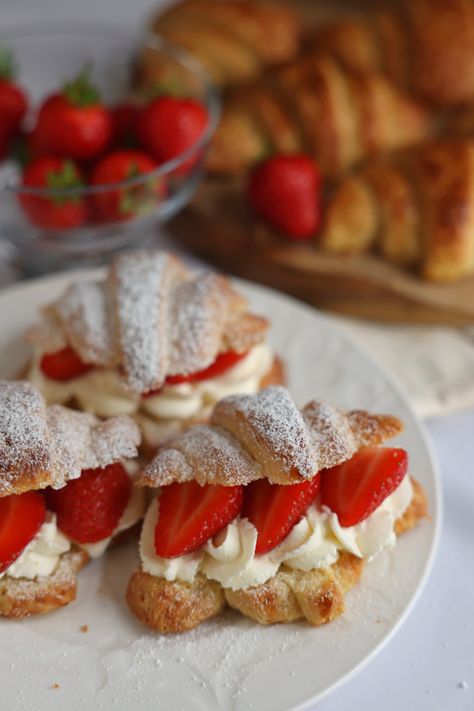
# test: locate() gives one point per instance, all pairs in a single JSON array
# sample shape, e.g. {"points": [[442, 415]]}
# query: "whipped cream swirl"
{"points": [[101, 391], [41, 556], [314, 542]]}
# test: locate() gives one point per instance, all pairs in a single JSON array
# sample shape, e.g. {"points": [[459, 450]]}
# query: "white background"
{"points": [[430, 663]]}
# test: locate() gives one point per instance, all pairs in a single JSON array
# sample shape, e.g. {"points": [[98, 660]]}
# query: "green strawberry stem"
{"points": [[64, 179], [8, 66], [170, 88], [138, 199], [80, 90]]}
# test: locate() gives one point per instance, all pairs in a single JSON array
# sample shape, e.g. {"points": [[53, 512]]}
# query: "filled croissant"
{"points": [[426, 46], [417, 210], [316, 106], [233, 40]]}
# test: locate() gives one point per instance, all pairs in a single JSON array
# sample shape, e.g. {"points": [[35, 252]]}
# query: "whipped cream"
{"points": [[133, 513], [314, 542], [41, 556], [102, 392]]}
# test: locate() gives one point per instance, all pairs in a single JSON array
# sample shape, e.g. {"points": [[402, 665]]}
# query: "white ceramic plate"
{"points": [[229, 663]]}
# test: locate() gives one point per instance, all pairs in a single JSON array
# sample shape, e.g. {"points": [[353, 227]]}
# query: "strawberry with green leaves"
{"points": [[168, 126], [124, 203], [13, 102], [74, 123], [59, 211]]}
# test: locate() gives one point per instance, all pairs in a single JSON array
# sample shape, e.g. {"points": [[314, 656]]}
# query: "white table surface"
{"points": [[429, 665]]}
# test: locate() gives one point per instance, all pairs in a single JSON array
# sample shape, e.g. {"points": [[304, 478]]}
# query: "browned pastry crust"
{"points": [[173, 606], [233, 40], [317, 596], [150, 317], [264, 435], [315, 105], [47, 446], [424, 45], [21, 597], [416, 210]]}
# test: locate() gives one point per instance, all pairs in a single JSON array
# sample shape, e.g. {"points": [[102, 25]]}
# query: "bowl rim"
{"points": [[151, 40]]}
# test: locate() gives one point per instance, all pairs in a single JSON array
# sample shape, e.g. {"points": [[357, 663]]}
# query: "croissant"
{"points": [[426, 46], [316, 106], [233, 40], [416, 210]]}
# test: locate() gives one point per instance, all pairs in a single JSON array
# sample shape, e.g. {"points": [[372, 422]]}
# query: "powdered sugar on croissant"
{"points": [[47, 446], [265, 435], [150, 317]]}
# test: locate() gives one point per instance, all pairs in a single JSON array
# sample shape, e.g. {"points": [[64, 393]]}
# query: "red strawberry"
{"points": [[354, 490], [13, 101], [285, 191], [274, 509], [223, 362], [21, 517], [88, 509], [63, 365], [190, 514], [168, 126], [74, 123], [60, 211], [124, 119]]}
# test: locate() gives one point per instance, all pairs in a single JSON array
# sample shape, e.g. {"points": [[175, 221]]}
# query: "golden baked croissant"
{"points": [[233, 40], [316, 106], [416, 210], [251, 438], [423, 45]]}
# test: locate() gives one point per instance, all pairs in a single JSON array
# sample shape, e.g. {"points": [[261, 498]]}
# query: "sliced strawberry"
{"points": [[190, 514], [354, 490], [21, 517], [274, 509], [89, 509], [223, 362], [63, 365]]}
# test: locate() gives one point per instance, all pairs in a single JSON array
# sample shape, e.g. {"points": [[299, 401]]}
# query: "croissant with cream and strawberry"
{"points": [[153, 340], [66, 490], [269, 510]]}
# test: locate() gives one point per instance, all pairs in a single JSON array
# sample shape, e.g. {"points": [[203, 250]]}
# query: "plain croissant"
{"points": [[316, 106], [416, 211], [233, 40], [426, 46]]}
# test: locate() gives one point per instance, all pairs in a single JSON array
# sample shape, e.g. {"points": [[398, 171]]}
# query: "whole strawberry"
{"points": [[285, 191], [169, 126]]}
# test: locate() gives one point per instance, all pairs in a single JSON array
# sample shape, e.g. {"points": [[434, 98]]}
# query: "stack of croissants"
{"points": [[383, 101]]}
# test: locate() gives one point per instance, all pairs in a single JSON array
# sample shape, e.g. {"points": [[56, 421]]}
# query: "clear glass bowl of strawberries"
{"points": [[90, 163]]}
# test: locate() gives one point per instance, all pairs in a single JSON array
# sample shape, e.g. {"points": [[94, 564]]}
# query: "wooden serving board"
{"points": [[218, 227]]}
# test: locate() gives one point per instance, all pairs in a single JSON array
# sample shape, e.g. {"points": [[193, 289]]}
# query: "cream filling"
{"points": [[314, 542], [101, 391], [41, 556]]}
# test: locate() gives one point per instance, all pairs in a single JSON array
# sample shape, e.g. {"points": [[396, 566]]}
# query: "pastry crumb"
{"points": [[84, 628], [55, 686]]}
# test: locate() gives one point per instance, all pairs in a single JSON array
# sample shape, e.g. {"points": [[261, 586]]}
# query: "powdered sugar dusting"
{"points": [[80, 441], [198, 315], [24, 441], [264, 435], [208, 455], [84, 317], [150, 318], [142, 305], [272, 417]]}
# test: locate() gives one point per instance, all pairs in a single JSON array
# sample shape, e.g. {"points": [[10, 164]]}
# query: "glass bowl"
{"points": [[46, 58]]}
